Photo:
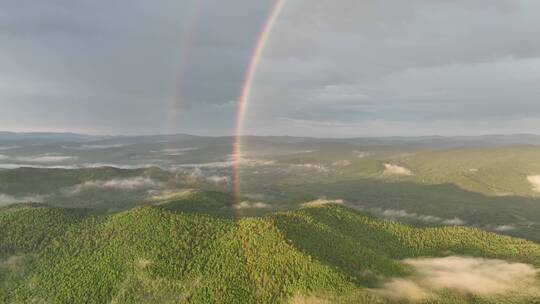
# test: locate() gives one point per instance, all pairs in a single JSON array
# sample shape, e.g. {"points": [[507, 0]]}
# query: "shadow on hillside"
{"points": [[446, 201], [359, 251]]}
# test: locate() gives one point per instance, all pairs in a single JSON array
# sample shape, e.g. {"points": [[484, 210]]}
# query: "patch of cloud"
{"points": [[3, 148], [341, 163], [400, 214], [219, 179], [231, 161], [393, 169], [42, 159], [255, 162], [225, 164], [119, 166], [466, 275], [15, 166], [170, 194], [95, 147], [453, 222], [198, 174], [8, 199], [314, 167], [504, 193], [535, 182], [504, 228], [174, 154], [46, 158], [258, 196], [175, 151], [323, 201], [362, 154], [252, 205], [170, 150], [186, 149], [195, 173], [132, 183]]}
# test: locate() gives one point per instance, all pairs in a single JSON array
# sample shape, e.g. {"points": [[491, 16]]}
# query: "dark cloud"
{"points": [[374, 67], [121, 66]]}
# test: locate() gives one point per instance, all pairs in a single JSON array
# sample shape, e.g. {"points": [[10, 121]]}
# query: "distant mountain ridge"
{"points": [[429, 140]]}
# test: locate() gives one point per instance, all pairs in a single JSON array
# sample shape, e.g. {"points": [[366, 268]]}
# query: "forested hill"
{"points": [[152, 254]]}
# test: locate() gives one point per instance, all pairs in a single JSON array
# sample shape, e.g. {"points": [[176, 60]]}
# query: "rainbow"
{"points": [[249, 76], [190, 27]]}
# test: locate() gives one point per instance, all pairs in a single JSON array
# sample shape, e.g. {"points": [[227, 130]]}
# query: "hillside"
{"points": [[489, 170], [154, 255]]}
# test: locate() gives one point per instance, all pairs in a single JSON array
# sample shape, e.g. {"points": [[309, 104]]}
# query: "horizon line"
{"points": [[257, 135]]}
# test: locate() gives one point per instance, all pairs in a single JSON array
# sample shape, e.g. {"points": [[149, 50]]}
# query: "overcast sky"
{"points": [[331, 68]]}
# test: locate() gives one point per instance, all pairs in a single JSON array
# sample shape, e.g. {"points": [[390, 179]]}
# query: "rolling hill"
{"points": [[159, 254]]}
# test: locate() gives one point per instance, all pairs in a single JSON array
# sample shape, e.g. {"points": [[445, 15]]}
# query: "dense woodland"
{"points": [[160, 254]]}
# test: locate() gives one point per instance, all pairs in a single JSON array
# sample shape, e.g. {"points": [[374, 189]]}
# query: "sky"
{"points": [[331, 68]]}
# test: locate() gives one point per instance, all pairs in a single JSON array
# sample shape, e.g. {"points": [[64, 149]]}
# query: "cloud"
{"points": [[198, 174], [467, 275], [453, 222], [535, 182], [259, 196], [397, 214], [341, 163], [252, 205], [119, 166], [229, 163], [41, 159], [170, 194], [14, 166], [393, 214], [195, 173], [373, 67], [132, 183], [364, 68], [8, 199], [153, 59], [180, 149], [393, 169], [9, 147], [315, 167], [205, 165], [47, 159], [362, 154], [219, 179], [95, 146], [504, 228], [322, 202], [400, 214], [175, 151]]}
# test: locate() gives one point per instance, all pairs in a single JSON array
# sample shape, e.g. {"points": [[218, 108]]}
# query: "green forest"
{"points": [[161, 254]]}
